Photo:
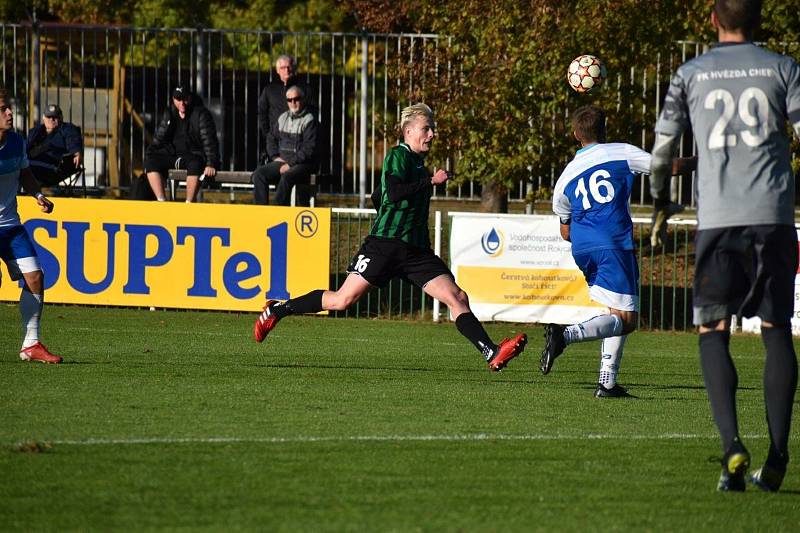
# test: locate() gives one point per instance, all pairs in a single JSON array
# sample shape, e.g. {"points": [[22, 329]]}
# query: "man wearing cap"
{"points": [[55, 148], [186, 139]]}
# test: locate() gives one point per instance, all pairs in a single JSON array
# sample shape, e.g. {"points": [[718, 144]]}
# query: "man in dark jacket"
{"points": [[55, 148], [186, 138], [272, 100], [291, 152]]}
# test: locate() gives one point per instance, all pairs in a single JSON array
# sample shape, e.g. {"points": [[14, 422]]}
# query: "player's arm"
{"points": [[563, 209], [661, 167], [682, 166], [673, 120], [31, 187], [398, 190], [564, 229]]}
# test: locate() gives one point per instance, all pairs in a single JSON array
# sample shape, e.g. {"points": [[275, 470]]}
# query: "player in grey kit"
{"points": [[738, 98]]}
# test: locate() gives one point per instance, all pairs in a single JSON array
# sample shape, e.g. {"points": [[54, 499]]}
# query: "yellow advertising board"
{"points": [[177, 255]]}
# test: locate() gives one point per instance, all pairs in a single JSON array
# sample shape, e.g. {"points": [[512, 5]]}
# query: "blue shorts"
{"points": [[16, 249], [613, 277]]}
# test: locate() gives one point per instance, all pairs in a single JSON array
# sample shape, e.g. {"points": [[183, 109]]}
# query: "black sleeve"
{"points": [[162, 131], [208, 134], [273, 142], [263, 112], [398, 190]]}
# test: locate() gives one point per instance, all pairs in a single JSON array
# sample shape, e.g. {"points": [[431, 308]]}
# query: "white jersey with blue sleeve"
{"points": [[593, 192], [13, 158]]}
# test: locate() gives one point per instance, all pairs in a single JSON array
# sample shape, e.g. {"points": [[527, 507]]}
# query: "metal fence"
{"points": [[115, 82], [665, 283]]}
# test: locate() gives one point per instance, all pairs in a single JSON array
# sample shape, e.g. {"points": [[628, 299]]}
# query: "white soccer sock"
{"points": [[30, 307], [599, 327], [610, 358]]}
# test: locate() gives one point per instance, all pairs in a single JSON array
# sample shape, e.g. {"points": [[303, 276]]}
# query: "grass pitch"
{"points": [[179, 421]]}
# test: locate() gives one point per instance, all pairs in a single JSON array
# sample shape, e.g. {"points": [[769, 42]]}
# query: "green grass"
{"points": [[179, 421]]}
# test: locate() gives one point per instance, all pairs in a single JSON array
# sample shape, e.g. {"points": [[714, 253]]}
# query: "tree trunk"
{"points": [[494, 198]]}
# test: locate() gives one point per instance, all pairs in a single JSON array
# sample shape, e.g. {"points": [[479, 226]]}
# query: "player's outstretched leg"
{"points": [[266, 321], [554, 345], [497, 355], [507, 350], [274, 311], [558, 337]]}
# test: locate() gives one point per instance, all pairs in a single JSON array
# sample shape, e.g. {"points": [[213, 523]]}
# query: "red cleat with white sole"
{"points": [[39, 352], [507, 350], [265, 322]]}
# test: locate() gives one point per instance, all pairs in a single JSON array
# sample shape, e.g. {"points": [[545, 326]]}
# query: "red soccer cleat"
{"points": [[507, 350], [265, 322], [39, 352]]}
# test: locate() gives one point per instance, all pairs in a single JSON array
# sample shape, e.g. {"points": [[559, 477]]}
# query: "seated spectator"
{"points": [[291, 152], [185, 139], [55, 148]]}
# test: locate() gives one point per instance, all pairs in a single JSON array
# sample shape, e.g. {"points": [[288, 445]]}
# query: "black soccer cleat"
{"points": [[767, 478], [614, 392], [735, 463], [554, 345]]}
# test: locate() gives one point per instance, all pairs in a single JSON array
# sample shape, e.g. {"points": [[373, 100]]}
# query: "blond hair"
{"points": [[412, 113]]}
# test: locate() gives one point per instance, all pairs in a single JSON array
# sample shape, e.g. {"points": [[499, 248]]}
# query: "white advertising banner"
{"points": [[517, 268]]}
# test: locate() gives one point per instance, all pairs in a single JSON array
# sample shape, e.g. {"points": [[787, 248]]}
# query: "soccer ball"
{"points": [[586, 73]]}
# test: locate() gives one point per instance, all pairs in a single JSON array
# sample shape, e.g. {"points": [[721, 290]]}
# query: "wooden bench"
{"points": [[238, 177]]}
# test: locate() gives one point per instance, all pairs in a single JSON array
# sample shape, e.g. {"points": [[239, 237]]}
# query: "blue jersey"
{"points": [[13, 158], [593, 192]]}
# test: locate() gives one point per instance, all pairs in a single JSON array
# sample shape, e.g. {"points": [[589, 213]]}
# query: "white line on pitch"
{"points": [[382, 438]]}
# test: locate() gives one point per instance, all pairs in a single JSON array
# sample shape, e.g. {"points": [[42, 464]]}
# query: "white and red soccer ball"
{"points": [[586, 73]]}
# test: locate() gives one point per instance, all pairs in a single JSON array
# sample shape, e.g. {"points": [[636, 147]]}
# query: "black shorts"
{"points": [[379, 260], [745, 270], [162, 162]]}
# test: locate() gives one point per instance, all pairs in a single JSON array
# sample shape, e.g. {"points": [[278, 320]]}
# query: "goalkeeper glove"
{"points": [[662, 211]]}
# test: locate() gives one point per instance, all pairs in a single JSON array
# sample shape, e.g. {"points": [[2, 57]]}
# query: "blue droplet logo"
{"points": [[492, 243]]}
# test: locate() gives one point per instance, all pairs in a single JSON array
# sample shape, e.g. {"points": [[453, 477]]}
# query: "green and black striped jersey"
{"points": [[405, 219]]}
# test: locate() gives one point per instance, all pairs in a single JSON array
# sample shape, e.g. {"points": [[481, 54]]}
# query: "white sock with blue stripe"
{"points": [[599, 327], [610, 357]]}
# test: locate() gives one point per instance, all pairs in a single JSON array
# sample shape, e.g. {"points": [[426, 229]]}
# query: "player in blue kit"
{"points": [[591, 199], [16, 248]]}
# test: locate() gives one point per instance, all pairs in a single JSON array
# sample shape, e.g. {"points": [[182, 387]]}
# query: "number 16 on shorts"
{"points": [[361, 264]]}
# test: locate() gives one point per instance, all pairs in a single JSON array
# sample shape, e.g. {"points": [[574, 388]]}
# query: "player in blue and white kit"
{"points": [[16, 248], [591, 200], [738, 99]]}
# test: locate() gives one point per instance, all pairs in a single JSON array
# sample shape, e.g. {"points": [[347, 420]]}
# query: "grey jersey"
{"points": [[738, 98]]}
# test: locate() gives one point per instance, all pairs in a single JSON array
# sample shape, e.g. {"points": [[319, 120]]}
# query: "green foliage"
{"points": [[503, 105], [292, 15]]}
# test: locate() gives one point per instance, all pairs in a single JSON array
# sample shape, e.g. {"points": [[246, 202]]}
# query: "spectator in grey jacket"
{"points": [[186, 139], [291, 152]]}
